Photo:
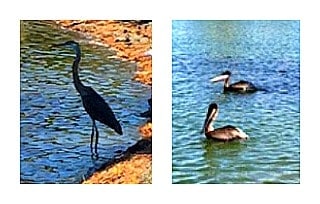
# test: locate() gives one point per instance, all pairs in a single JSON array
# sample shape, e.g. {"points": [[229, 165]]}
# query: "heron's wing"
{"points": [[99, 110]]}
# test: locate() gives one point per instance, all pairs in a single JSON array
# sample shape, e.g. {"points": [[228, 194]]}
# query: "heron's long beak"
{"points": [[219, 78], [54, 45]]}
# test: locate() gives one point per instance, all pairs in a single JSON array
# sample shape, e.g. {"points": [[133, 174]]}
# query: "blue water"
{"points": [[54, 127], [266, 53]]}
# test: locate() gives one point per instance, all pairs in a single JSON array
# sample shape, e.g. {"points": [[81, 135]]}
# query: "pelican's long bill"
{"points": [[220, 78]]}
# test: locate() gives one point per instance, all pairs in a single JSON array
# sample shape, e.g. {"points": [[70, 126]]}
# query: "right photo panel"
{"points": [[235, 101]]}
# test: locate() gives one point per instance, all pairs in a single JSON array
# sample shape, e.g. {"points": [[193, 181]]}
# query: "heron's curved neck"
{"points": [[75, 72]]}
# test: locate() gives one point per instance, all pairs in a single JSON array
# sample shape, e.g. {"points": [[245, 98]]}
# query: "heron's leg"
{"points": [[97, 138], [92, 133]]}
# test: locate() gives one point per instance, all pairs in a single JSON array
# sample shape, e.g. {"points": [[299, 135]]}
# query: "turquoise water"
{"points": [[54, 127], [266, 53]]}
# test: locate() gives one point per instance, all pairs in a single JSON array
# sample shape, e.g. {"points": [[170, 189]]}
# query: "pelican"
{"points": [[224, 134], [238, 87]]}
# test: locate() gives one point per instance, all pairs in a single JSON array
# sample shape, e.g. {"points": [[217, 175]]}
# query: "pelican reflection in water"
{"points": [[226, 133], [238, 87]]}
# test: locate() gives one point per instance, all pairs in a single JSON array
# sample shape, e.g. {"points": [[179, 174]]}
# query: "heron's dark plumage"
{"points": [[99, 110], [93, 103]]}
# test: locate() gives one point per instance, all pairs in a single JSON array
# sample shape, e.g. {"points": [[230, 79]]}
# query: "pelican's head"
{"points": [[211, 116], [223, 76]]}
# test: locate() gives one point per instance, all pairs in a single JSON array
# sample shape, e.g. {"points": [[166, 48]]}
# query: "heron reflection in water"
{"points": [[93, 103]]}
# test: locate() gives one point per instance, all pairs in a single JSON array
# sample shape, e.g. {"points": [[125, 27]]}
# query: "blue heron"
{"points": [[93, 103]]}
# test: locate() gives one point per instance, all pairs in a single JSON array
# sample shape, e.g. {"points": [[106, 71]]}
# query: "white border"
{"points": [[161, 13]]}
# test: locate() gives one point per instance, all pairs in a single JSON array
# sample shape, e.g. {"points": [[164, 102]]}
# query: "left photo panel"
{"points": [[86, 101]]}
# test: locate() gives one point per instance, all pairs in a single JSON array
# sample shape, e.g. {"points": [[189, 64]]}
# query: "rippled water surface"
{"points": [[55, 129], [266, 53]]}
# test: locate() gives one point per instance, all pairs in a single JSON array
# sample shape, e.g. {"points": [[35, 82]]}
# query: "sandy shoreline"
{"points": [[131, 40]]}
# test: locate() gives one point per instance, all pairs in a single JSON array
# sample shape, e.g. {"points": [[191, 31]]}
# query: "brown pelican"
{"points": [[238, 87], [226, 133]]}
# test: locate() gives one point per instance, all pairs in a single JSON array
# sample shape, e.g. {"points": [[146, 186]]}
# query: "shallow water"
{"points": [[54, 127], [266, 53]]}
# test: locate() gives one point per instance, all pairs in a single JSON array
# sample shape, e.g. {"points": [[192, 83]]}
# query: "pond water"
{"points": [[54, 127], [266, 53]]}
